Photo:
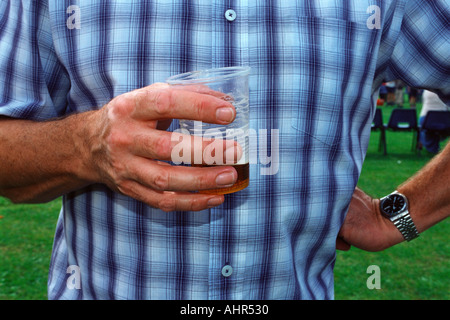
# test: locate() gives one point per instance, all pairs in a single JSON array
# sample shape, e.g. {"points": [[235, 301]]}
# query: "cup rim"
{"points": [[194, 77]]}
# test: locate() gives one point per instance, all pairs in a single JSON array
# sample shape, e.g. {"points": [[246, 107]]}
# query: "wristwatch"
{"points": [[395, 207]]}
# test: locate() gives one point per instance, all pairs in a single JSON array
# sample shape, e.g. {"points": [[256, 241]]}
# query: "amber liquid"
{"points": [[241, 182]]}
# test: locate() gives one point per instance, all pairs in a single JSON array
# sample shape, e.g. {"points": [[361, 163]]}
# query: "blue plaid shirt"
{"points": [[316, 66]]}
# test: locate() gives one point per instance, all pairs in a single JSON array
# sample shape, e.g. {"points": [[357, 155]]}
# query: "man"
{"points": [[127, 223], [428, 139]]}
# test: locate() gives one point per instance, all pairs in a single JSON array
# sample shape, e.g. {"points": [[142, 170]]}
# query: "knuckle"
{"points": [[196, 205], [125, 187], [167, 204], [116, 138], [162, 101], [118, 170], [201, 106], [204, 182], [115, 174], [120, 106], [161, 180], [161, 147]]}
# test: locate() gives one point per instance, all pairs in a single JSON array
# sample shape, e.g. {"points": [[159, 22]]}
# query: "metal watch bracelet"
{"points": [[406, 226]]}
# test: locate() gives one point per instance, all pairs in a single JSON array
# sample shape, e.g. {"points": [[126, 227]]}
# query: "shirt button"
{"points": [[230, 15], [227, 271]]}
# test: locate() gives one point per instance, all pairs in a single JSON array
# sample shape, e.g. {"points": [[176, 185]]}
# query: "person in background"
{"points": [[430, 140], [391, 92], [399, 91], [413, 95]]}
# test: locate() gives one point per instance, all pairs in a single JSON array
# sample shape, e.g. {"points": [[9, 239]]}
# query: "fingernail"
{"points": [[213, 202], [225, 114], [226, 179]]}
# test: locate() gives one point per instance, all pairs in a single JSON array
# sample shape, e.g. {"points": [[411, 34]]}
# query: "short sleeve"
{"points": [[33, 84], [421, 56]]}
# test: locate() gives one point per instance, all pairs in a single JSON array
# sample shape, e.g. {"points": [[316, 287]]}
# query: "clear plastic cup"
{"points": [[233, 83]]}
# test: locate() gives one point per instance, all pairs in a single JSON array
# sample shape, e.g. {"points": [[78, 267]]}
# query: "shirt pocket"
{"points": [[335, 65]]}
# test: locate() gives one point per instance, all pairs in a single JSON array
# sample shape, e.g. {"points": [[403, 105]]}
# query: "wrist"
{"points": [[85, 139], [47, 159], [395, 208], [389, 231]]}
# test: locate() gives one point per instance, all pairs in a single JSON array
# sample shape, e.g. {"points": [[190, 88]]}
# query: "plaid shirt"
{"points": [[316, 66]]}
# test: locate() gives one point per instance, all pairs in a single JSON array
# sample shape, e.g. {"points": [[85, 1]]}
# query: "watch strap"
{"points": [[406, 226]]}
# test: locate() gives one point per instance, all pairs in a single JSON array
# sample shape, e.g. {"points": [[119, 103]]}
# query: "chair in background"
{"points": [[402, 120], [377, 125], [437, 122]]}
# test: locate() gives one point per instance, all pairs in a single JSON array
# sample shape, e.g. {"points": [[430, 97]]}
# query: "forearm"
{"points": [[428, 192], [43, 160]]}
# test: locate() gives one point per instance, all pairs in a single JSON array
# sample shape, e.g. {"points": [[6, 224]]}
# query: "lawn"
{"points": [[415, 270], [26, 237]]}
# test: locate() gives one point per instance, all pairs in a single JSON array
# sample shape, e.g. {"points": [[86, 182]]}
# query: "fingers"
{"points": [[151, 185], [203, 89], [163, 177], [186, 149], [165, 102], [172, 201]]}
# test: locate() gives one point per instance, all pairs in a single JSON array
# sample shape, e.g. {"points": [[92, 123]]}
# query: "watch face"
{"points": [[393, 204]]}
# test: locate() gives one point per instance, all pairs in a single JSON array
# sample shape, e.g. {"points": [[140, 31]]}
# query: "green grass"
{"points": [[415, 270], [418, 270], [26, 238]]}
